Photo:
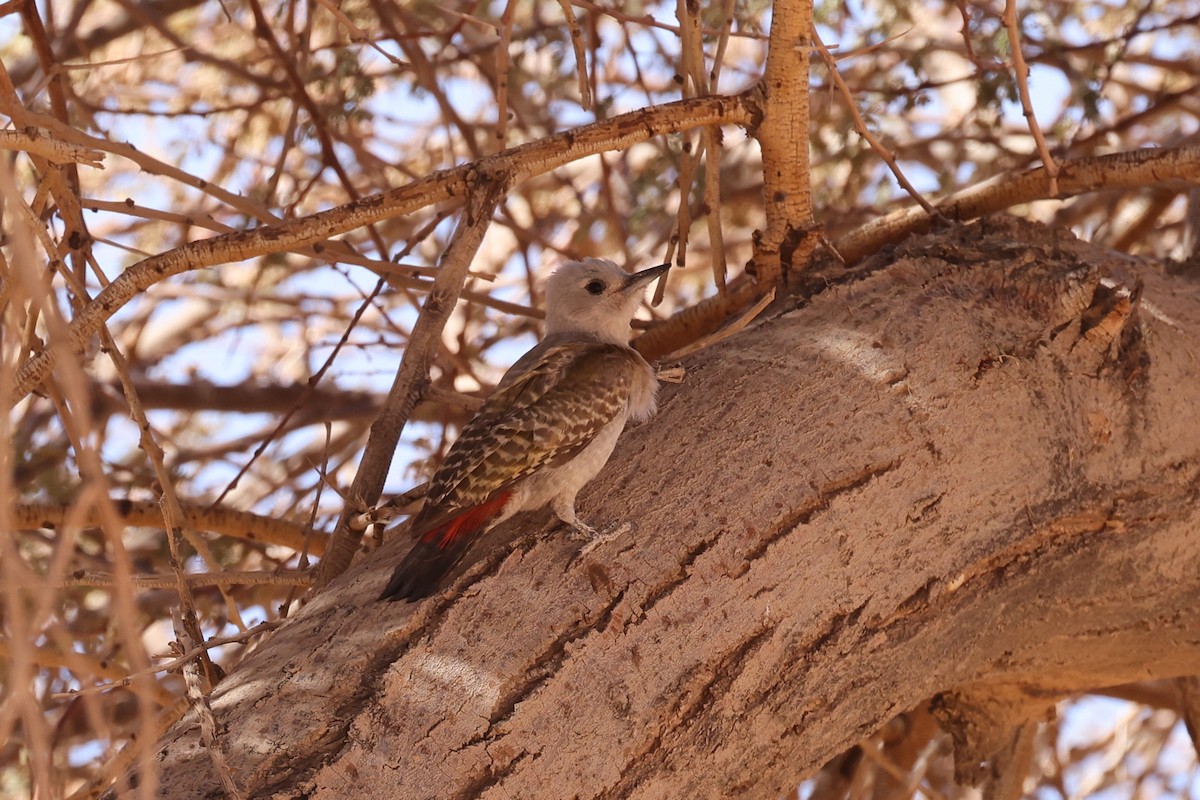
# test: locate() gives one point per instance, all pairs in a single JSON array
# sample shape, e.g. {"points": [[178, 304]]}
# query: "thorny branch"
{"points": [[521, 162]]}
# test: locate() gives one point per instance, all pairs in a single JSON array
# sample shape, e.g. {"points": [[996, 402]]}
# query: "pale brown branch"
{"points": [[358, 34], [860, 125], [147, 513], [733, 327], [677, 249], [695, 322], [172, 513], [714, 75], [1011, 766], [193, 579], [581, 68], [173, 517], [968, 48], [177, 662], [329, 251], [197, 687], [522, 162], [54, 150], [910, 780], [1021, 72], [694, 83], [309, 389], [504, 32], [691, 50], [401, 504], [80, 663], [783, 137], [651, 22], [1134, 169], [710, 137], [711, 140]]}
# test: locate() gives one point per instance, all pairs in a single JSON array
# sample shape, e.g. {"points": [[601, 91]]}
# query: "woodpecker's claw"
{"points": [[581, 530], [596, 538]]}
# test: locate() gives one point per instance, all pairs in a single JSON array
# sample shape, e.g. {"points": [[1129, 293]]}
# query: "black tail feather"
{"points": [[417, 576], [440, 548]]}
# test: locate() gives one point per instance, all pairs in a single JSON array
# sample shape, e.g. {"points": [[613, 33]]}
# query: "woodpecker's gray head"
{"points": [[595, 297]]}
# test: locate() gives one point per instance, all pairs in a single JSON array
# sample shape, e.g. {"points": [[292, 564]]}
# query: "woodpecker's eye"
{"points": [[595, 287]]}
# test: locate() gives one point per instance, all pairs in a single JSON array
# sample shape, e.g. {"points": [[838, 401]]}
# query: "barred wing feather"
{"points": [[539, 418]]}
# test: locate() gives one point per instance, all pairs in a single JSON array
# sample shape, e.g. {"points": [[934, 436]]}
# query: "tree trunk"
{"points": [[969, 474]]}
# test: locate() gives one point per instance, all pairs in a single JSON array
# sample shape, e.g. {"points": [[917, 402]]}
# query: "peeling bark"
{"points": [[972, 474]]}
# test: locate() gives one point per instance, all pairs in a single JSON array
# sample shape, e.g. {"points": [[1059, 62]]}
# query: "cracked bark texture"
{"points": [[970, 472]]}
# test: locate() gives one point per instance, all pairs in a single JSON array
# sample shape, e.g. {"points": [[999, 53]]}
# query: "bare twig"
{"points": [[734, 327], [504, 32], [714, 75], [651, 22], [401, 504], [177, 662], [309, 389], [711, 138], [581, 67], [871, 748], [1021, 72], [697, 321], [860, 125], [173, 516], [194, 579]]}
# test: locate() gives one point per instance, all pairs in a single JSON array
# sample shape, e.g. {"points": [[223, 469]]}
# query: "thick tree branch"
{"points": [[924, 483], [782, 133]]}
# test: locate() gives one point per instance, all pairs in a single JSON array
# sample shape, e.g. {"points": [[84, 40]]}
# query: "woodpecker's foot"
{"points": [[594, 538]]}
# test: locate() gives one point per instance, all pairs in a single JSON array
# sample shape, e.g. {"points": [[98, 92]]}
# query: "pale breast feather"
{"points": [[539, 418]]}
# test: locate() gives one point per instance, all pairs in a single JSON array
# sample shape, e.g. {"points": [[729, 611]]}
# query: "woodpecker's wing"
{"points": [[545, 413]]}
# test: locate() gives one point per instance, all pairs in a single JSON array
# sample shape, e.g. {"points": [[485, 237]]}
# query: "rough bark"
{"points": [[970, 474]]}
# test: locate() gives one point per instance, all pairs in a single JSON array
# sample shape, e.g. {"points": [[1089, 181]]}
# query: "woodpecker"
{"points": [[548, 428]]}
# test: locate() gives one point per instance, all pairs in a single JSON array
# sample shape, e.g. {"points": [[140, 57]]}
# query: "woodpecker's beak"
{"points": [[637, 280]]}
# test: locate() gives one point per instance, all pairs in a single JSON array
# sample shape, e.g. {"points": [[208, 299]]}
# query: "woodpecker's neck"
{"points": [[608, 331]]}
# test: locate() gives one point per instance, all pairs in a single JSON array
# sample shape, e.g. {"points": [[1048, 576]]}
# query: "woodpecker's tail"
{"points": [[438, 550]]}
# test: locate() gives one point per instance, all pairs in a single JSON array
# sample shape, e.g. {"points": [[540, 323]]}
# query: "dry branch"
{"points": [[860, 125], [198, 688], [1136, 169], [45, 145], [450, 185], [224, 521], [698, 321], [1021, 75]]}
